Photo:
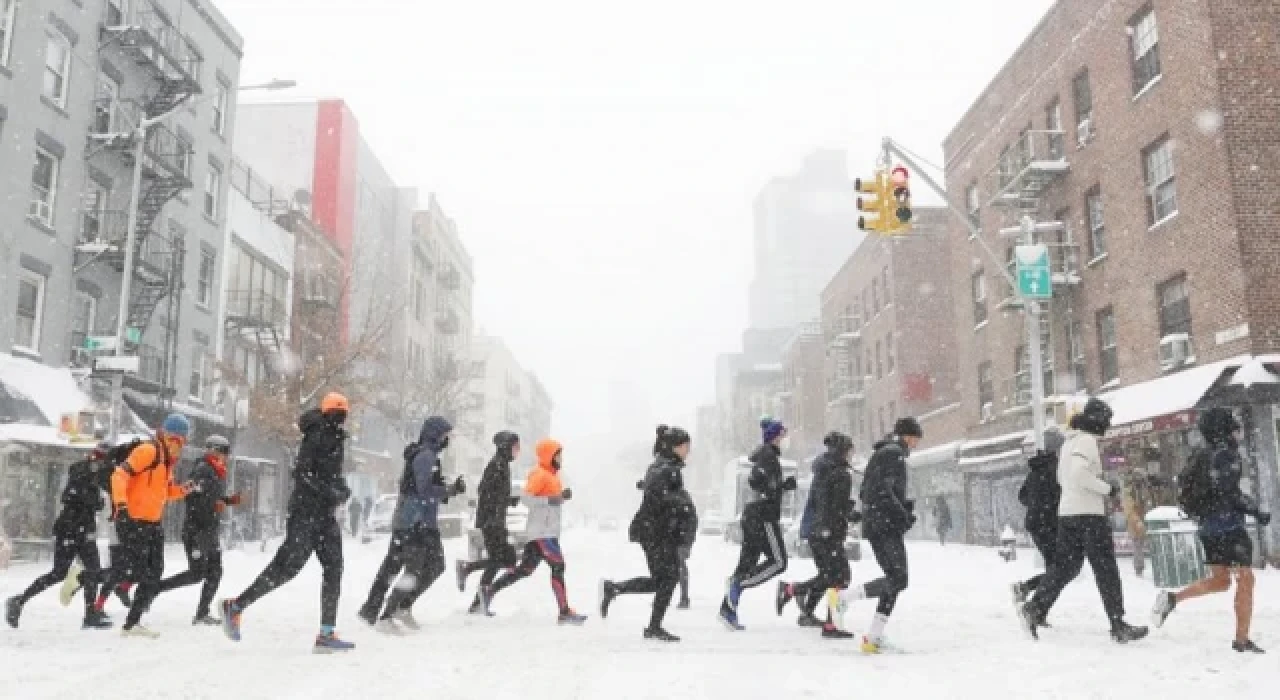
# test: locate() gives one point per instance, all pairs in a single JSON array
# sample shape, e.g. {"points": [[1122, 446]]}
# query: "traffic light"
{"points": [[875, 208], [901, 198]]}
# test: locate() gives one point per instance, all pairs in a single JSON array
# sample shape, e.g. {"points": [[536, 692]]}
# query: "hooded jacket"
{"points": [[318, 485], [422, 487], [543, 493], [667, 514], [210, 481], [1225, 503], [1040, 494], [494, 492], [768, 483], [1084, 492], [830, 499], [884, 490]]}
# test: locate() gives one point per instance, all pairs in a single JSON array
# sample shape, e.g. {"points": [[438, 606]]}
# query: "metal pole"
{"points": [[126, 278]]}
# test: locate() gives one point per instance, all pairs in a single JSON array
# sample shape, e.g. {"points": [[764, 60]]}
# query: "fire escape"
{"points": [[169, 68], [846, 386]]}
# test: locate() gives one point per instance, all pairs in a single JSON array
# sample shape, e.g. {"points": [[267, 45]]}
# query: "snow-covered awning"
{"points": [[54, 392], [1171, 394]]}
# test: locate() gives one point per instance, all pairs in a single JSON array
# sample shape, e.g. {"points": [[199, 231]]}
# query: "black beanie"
{"points": [[908, 427]]}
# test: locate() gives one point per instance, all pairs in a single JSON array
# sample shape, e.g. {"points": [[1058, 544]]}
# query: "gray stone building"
{"points": [[75, 79]]}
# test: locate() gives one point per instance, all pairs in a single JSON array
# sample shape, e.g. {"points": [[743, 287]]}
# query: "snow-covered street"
{"points": [[955, 625]]}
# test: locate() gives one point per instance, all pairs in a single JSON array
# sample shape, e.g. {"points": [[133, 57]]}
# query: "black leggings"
{"points": [[685, 551], [1083, 537], [1046, 541], [833, 572], [304, 535], [204, 565], [760, 539], [143, 544], [418, 553], [891, 554], [499, 555], [663, 559], [66, 547]]}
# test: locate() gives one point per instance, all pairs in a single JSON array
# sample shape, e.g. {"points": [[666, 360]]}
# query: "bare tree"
{"points": [[438, 387]]}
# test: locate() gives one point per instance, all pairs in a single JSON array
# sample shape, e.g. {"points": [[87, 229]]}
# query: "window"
{"points": [[883, 430], [106, 108], [57, 67], [212, 191], [893, 411], [879, 361], [199, 359], [866, 304], [117, 12], [973, 202], [1144, 38], [978, 288], [868, 365], [884, 284], [1082, 94], [986, 387], [92, 213], [1021, 376], [220, 109], [1162, 192], [183, 157], [1053, 124], [30, 311], [7, 8], [1175, 306], [1097, 225], [888, 352], [83, 310], [44, 187], [875, 295], [204, 285], [1108, 355]]}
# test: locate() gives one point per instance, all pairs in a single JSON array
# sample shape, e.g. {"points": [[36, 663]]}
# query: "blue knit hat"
{"points": [[770, 429], [177, 424]]}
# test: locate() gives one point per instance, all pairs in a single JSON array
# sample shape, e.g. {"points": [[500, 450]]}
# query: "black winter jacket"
{"points": [[82, 497], [1040, 494], [667, 514], [832, 498], [494, 493], [201, 502], [318, 484], [885, 508], [767, 481]]}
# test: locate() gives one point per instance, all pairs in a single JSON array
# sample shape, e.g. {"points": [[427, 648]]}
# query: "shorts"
{"points": [[1231, 548]]}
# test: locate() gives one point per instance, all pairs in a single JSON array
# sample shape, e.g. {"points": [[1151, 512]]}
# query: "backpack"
{"points": [[1194, 490]]}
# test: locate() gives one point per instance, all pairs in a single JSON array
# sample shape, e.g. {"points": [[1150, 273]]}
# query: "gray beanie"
{"points": [[1053, 440]]}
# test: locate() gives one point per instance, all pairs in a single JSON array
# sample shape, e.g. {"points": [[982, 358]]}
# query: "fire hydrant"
{"points": [[1008, 544]]}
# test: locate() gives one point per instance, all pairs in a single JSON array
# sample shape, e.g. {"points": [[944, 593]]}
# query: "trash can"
{"points": [[1177, 559]]}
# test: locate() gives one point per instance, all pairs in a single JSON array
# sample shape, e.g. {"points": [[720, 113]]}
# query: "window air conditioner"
{"points": [[1084, 132], [1175, 351], [988, 411]]}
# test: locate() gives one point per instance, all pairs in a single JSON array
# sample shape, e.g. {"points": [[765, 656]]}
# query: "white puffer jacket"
{"points": [[1080, 475]]}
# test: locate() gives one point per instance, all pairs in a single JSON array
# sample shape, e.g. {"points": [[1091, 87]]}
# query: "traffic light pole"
{"points": [[1032, 307]]}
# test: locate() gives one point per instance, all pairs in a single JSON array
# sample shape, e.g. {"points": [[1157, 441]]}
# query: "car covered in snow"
{"points": [[379, 519], [711, 523]]}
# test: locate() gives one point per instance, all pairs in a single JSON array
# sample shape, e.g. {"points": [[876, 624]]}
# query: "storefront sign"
{"points": [[1160, 424]]}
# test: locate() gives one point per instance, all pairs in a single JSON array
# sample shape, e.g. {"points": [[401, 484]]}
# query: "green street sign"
{"points": [[1035, 279], [133, 335], [95, 343]]}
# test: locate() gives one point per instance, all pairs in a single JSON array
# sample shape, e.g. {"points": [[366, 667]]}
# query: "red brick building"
{"points": [[887, 317], [1150, 131]]}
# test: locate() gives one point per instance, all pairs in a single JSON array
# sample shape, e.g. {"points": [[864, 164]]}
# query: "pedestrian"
{"points": [[761, 530], [545, 494], [887, 516], [942, 518], [688, 535], [311, 525], [825, 524], [415, 547], [107, 579], [356, 510], [1136, 501], [660, 525], [1083, 528], [205, 502], [75, 534], [140, 488], [1212, 496], [1040, 494], [494, 498]]}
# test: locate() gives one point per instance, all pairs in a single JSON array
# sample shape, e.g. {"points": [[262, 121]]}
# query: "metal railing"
{"points": [[1032, 159], [176, 57], [104, 227], [256, 307]]}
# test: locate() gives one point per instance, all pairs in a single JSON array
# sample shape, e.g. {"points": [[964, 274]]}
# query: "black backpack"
{"points": [[1194, 489]]}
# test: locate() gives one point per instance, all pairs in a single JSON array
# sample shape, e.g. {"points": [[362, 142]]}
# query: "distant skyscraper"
{"points": [[805, 228]]}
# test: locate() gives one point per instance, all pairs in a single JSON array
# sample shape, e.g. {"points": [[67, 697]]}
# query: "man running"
{"points": [[491, 517]]}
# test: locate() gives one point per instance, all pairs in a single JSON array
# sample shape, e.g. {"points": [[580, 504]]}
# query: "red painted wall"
{"points": [[334, 187]]}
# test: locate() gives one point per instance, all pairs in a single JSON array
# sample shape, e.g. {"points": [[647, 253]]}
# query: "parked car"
{"points": [[712, 523], [379, 519]]}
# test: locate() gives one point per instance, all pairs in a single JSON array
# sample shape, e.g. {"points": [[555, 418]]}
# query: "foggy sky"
{"points": [[600, 159]]}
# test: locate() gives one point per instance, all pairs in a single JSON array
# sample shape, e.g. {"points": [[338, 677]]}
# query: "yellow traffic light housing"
{"points": [[887, 209]]}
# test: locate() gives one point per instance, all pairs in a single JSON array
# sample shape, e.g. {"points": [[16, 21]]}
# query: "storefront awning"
{"points": [[1173, 394], [34, 399]]}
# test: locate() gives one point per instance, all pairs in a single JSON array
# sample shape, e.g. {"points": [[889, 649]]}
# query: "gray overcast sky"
{"points": [[601, 158]]}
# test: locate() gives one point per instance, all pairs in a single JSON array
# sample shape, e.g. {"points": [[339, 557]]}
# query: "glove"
{"points": [[219, 506], [233, 499], [1264, 519], [555, 500], [911, 520], [910, 505], [459, 486], [513, 501], [437, 477], [855, 517], [566, 494], [120, 513], [789, 483], [640, 484]]}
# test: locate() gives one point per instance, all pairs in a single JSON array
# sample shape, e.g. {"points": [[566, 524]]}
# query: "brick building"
{"points": [[803, 400], [1135, 133], [887, 318]]}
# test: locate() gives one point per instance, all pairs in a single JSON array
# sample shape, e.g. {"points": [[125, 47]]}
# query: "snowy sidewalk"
{"points": [[955, 623]]}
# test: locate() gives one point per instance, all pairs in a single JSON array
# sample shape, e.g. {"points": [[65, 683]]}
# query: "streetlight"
{"points": [[139, 136]]}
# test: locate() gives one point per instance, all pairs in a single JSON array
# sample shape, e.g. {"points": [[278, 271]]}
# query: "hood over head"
{"points": [[433, 431], [504, 440], [1217, 425], [310, 420], [546, 451]]}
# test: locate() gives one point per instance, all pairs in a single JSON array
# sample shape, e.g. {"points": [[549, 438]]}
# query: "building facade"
{"points": [[506, 397], [1134, 134], [803, 400]]}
